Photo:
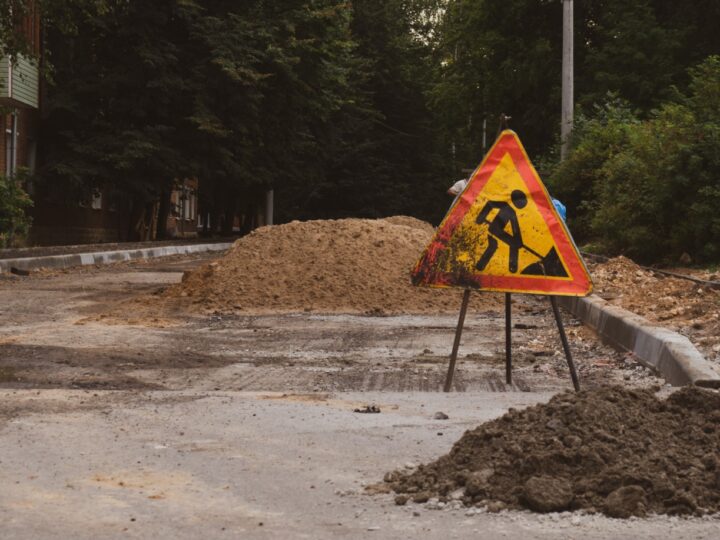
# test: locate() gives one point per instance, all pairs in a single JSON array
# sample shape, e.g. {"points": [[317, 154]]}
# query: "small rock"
{"points": [[626, 501], [421, 497], [547, 494], [572, 441], [401, 500], [476, 482], [440, 416], [496, 506]]}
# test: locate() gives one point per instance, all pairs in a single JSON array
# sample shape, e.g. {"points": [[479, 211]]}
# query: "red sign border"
{"points": [[579, 282]]}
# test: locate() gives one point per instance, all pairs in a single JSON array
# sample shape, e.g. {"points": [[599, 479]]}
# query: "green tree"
{"points": [[14, 203], [648, 189], [113, 116], [625, 49]]}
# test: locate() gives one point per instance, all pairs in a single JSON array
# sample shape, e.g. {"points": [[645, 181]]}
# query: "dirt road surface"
{"points": [[243, 426]]}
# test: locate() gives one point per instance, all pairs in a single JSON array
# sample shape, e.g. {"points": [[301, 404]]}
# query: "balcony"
{"points": [[19, 83]]}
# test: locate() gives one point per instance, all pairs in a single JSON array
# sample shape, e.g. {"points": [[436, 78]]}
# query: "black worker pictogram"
{"points": [[548, 265], [496, 229]]}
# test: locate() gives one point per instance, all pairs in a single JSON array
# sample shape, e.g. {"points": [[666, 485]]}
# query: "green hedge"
{"points": [[649, 189]]}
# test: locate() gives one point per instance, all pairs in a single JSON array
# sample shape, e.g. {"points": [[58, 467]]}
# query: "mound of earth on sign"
{"points": [[347, 265], [611, 450]]}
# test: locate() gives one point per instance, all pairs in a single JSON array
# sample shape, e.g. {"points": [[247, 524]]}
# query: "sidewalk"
{"points": [[92, 254], [43, 251]]}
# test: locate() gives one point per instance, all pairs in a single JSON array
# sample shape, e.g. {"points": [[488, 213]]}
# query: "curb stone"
{"points": [[670, 353], [106, 257]]}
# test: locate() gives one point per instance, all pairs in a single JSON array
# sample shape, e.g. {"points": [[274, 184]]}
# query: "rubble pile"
{"points": [[613, 450], [682, 305]]}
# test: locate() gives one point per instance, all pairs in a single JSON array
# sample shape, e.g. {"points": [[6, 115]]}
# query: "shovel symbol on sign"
{"points": [[548, 265]]}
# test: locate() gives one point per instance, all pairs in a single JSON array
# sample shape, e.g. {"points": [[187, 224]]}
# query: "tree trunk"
{"points": [[163, 213], [229, 212]]}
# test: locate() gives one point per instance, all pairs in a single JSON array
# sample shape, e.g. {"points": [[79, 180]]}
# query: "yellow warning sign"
{"points": [[504, 234]]}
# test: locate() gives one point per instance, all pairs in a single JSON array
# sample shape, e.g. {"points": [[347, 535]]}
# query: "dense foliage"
{"points": [[321, 100], [650, 188], [374, 107]]}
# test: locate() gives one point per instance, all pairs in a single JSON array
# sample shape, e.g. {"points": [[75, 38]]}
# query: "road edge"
{"points": [[670, 353], [106, 257]]}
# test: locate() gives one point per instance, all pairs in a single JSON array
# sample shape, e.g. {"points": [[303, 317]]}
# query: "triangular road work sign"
{"points": [[504, 234]]}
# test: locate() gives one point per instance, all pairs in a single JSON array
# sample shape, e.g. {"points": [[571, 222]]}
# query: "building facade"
{"points": [[20, 101]]}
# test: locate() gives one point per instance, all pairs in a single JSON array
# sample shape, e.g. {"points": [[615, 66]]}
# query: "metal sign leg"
{"points": [[565, 344], [508, 339], [456, 344]]}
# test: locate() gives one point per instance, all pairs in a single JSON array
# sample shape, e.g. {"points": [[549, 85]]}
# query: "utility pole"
{"points": [[566, 120]]}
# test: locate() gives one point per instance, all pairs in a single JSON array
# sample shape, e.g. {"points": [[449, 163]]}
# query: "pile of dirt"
{"points": [[685, 306], [611, 450], [348, 265]]}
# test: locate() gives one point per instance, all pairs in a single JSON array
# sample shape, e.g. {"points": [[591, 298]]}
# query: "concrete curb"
{"points": [[106, 257], [668, 352]]}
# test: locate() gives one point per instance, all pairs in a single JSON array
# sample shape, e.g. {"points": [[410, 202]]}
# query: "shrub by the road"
{"points": [[649, 189], [14, 221]]}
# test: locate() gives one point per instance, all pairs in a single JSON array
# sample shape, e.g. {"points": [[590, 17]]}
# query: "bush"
{"points": [[14, 221], [577, 180], [649, 189]]}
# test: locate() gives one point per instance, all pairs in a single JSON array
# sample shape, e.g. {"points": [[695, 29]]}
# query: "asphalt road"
{"points": [[243, 427]]}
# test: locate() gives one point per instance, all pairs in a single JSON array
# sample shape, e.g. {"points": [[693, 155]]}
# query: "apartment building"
{"points": [[20, 102]]}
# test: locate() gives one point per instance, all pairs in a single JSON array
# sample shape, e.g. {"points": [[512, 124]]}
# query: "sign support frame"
{"points": [[508, 324], [508, 341]]}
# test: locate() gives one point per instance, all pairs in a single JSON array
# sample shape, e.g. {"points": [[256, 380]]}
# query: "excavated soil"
{"points": [[363, 266], [348, 265], [612, 450], [682, 305]]}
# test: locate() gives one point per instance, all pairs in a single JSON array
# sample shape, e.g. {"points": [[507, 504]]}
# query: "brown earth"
{"points": [[348, 265], [363, 266], [682, 305], [613, 450]]}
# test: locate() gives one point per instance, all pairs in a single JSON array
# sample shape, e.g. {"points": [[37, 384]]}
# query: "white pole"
{"points": [[566, 120]]}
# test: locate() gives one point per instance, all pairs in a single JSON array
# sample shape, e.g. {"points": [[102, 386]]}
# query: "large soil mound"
{"points": [[348, 265], [617, 451]]}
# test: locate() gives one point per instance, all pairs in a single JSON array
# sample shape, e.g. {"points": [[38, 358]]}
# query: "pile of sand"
{"points": [[612, 450], [348, 265]]}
